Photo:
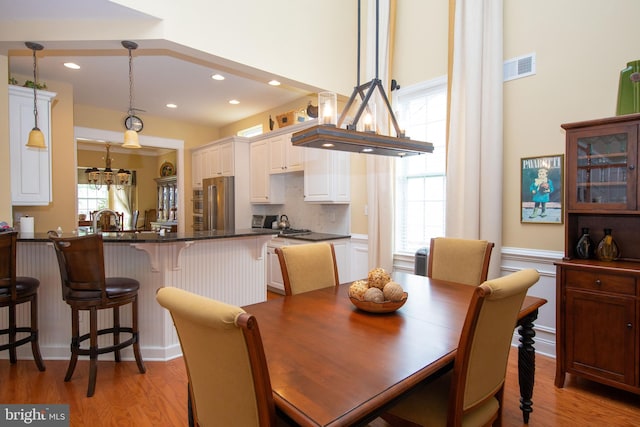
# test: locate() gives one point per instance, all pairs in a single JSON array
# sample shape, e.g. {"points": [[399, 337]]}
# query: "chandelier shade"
{"points": [[97, 178], [36, 137]]}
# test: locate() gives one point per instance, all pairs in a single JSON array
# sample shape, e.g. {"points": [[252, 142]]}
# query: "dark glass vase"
{"points": [[585, 247], [607, 249]]}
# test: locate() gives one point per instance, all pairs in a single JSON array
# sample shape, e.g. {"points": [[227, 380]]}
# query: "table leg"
{"points": [[526, 363]]}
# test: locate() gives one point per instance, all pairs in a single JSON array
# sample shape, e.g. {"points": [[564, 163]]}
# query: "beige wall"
{"points": [[5, 171]]}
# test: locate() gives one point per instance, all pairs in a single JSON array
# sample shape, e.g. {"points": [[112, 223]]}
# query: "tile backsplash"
{"points": [[321, 218]]}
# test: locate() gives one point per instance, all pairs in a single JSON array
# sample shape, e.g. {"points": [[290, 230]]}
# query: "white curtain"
{"points": [[380, 187], [474, 162]]}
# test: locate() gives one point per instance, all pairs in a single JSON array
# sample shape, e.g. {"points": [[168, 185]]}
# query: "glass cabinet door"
{"points": [[604, 169]]}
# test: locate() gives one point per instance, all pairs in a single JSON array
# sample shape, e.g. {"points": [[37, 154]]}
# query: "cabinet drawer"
{"points": [[595, 281]]}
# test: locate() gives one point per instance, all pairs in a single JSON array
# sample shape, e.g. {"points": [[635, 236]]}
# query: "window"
{"points": [[421, 180], [91, 199], [252, 131]]}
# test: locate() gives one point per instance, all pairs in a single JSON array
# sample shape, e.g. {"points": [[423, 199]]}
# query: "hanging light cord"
{"points": [[130, 83], [35, 93]]}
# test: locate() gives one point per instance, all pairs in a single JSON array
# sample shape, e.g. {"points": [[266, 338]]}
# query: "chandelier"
{"points": [[361, 139], [107, 176]]}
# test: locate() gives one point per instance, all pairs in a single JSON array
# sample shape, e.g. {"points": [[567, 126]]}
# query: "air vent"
{"points": [[521, 66]]}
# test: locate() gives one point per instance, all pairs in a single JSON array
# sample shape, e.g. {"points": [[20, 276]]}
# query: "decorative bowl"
{"points": [[379, 307]]}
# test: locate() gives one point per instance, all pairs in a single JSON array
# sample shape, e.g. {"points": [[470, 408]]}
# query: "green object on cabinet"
{"points": [[629, 89]]}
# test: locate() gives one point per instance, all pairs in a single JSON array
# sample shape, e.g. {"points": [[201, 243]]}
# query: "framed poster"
{"points": [[541, 189]]}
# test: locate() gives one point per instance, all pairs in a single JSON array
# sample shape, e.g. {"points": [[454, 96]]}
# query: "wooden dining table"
{"points": [[332, 364]]}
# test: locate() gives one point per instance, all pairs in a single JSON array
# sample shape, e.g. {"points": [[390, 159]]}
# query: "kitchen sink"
{"points": [[294, 232]]}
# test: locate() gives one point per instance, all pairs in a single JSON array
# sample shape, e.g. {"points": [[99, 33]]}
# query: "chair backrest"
{"points": [[459, 260], [308, 267], [134, 220], [150, 215], [225, 361], [107, 222], [481, 362], [8, 263], [81, 262]]}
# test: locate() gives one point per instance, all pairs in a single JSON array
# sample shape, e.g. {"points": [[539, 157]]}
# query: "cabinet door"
{"points": [[600, 336], [277, 154], [226, 160], [30, 167], [196, 168], [259, 183], [601, 168], [274, 273], [295, 156], [326, 176]]}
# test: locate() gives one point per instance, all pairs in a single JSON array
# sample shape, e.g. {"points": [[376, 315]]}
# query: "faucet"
{"points": [[99, 214]]}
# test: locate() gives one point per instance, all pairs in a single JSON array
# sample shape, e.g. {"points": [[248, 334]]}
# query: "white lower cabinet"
{"points": [[275, 282]]}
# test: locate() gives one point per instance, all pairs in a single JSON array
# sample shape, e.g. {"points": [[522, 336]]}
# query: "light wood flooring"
{"points": [[125, 397]]}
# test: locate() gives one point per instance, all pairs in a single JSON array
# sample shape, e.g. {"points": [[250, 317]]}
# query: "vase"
{"points": [[607, 249], [585, 247]]}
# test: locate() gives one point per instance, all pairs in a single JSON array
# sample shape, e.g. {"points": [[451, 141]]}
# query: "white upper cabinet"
{"points": [[265, 188], [212, 160], [30, 167], [327, 176], [284, 157]]}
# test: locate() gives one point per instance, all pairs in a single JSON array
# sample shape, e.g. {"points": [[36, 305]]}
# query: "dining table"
{"points": [[332, 364]]}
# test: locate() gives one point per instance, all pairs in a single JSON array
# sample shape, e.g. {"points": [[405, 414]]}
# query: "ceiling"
{"points": [[161, 74]]}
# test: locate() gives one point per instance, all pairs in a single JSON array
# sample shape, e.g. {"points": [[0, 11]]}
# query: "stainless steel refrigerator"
{"points": [[219, 200]]}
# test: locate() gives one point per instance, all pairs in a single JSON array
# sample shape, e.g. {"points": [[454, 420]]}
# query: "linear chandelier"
{"points": [[98, 178], [332, 136]]}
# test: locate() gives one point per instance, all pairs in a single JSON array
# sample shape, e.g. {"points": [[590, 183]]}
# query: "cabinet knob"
{"points": [[629, 326], [632, 167], [598, 282]]}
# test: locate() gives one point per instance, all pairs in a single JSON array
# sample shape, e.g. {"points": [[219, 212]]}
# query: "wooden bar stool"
{"points": [[15, 290], [84, 287]]}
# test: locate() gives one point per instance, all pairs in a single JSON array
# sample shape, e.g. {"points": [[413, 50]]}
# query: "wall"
{"points": [[5, 171]]}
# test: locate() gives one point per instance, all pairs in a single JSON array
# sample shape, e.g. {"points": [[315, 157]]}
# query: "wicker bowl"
{"points": [[379, 307]]}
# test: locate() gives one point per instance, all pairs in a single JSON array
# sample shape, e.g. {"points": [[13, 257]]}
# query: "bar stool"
{"points": [[84, 287], [14, 291]]}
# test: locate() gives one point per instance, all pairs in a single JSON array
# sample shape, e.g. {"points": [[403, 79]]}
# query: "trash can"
{"points": [[421, 261]]}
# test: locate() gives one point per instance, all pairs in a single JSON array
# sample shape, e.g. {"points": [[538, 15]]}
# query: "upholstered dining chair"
{"points": [[459, 260], [471, 394], [308, 267], [85, 288], [16, 290], [226, 366]]}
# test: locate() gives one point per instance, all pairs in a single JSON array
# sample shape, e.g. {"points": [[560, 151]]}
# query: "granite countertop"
{"points": [[154, 237], [316, 237]]}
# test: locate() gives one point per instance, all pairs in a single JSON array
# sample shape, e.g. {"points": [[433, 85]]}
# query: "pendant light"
{"points": [[36, 137], [352, 139], [130, 135]]}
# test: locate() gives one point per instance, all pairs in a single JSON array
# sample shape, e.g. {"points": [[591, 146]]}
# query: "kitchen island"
{"points": [[227, 266]]}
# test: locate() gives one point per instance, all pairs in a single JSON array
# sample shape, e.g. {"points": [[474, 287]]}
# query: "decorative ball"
{"points": [[358, 288], [378, 277], [393, 291], [374, 295]]}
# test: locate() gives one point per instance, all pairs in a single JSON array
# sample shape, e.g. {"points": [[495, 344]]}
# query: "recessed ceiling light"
{"points": [[217, 77], [234, 102], [72, 65], [172, 105], [274, 83], [367, 150], [328, 145]]}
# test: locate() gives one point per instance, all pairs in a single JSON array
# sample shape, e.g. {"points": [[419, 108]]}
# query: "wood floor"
{"points": [[125, 397]]}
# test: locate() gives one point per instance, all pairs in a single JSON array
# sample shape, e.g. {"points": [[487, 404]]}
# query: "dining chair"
{"points": [[229, 383], [459, 260], [107, 222], [308, 267], [472, 393], [150, 215], [85, 288], [16, 290]]}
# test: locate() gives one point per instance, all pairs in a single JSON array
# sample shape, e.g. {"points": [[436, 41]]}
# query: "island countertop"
{"points": [[155, 237]]}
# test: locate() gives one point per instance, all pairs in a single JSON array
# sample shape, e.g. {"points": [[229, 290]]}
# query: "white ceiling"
{"points": [[160, 74]]}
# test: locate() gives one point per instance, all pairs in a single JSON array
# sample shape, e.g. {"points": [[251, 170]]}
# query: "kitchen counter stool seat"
{"points": [[85, 287], [16, 290]]}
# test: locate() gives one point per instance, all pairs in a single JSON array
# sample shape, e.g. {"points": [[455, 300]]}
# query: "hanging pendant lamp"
{"points": [[36, 137], [352, 139], [131, 135]]}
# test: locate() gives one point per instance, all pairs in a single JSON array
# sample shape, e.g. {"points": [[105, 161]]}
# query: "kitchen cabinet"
{"points": [[598, 302], [167, 188], [284, 157], [197, 160], [327, 176], [275, 281], [215, 159], [30, 167], [265, 188]]}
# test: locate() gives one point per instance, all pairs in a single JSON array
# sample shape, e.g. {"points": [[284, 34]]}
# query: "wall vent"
{"points": [[522, 66]]}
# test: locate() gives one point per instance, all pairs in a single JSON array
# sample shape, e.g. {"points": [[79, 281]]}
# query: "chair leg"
{"points": [[116, 331], [93, 351], [12, 334], [136, 341], [75, 343], [35, 346]]}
